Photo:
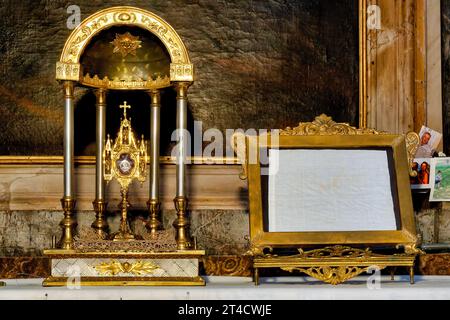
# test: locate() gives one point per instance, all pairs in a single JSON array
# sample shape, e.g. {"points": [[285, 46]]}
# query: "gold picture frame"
{"points": [[324, 133]]}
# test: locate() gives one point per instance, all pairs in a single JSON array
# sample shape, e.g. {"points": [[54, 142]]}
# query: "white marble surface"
{"points": [[227, 288]]}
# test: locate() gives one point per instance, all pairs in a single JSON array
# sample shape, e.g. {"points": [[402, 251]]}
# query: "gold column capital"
{"points": [[100, 94], [69, 88], [155, 96], [182, 88]]}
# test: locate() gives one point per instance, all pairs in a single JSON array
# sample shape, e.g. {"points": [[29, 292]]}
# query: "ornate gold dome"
{"points": [[125, 57]]}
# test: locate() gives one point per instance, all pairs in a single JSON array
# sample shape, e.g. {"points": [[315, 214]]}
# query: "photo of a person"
{"points": [[438, 180], [424, 173], [422, 168], [429, 142]]}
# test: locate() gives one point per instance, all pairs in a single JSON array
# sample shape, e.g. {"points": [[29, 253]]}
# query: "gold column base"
{"points": [[181, 224], [153, 225], [100, 224], [68, 223]]}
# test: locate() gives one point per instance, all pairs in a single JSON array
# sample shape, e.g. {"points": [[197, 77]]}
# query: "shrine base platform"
{"points": [[227, 288]]}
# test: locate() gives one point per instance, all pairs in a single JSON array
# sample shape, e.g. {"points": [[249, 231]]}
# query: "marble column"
{"points": [[100, 224], [154, 204], [68, 223], [182, 223]]}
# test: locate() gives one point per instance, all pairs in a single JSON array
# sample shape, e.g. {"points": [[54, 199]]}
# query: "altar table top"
{"points": [[231, 288]]}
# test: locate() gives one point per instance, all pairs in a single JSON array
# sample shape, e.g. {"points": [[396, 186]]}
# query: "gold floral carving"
{"points": [[181, 72], [68, 71], [324, 125], [137, 268], [237, 266], [81, 36]]}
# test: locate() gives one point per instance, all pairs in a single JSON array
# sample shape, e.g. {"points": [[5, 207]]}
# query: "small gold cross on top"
{"points": [[124, 106]]}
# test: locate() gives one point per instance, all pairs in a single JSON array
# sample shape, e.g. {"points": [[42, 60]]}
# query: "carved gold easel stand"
{"points": [[335, 265]]}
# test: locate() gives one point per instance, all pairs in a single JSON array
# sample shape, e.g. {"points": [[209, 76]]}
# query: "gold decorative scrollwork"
{"points": [[324, 125], [136, 268], [412, 144], [336, 252], [411, 249], [336, 264], [331, 275]]}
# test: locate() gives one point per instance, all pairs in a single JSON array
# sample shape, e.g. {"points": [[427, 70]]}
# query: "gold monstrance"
{"points": [[125, 162]]}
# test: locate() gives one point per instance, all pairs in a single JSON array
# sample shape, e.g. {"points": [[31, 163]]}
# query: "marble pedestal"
{"points": [[72, 268]]}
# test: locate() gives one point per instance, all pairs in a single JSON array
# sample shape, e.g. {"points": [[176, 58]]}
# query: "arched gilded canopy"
{"points": [[78, 54]]}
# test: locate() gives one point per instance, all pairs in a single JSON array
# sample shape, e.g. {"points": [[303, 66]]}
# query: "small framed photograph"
{"points": [[440, 183], [429, 142], [422, 166]]}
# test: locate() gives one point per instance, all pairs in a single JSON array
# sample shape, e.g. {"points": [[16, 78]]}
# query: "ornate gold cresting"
{"points": [[125, 161], [324, 125], [138, 268]]}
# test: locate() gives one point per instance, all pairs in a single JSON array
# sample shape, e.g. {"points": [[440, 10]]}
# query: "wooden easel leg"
{"points": [[256, 276]]}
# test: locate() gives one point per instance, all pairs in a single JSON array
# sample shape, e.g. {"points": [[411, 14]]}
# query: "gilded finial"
{"points": [[124, 106]]}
